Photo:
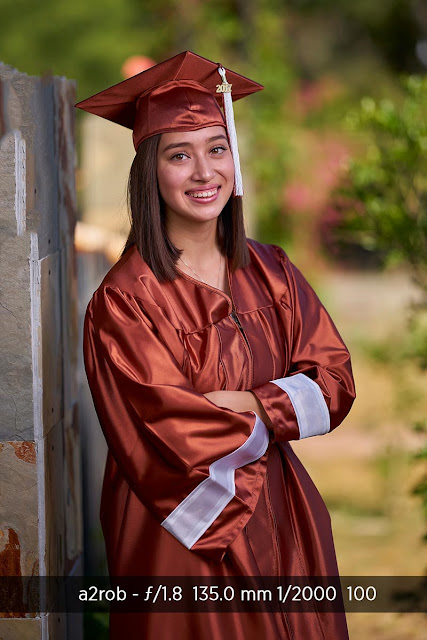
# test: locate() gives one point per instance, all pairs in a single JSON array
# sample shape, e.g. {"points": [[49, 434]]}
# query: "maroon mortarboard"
{"points": [[183, 93]]}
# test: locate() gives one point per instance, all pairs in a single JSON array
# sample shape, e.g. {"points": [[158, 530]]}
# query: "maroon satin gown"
{"points": [[151, 350]]}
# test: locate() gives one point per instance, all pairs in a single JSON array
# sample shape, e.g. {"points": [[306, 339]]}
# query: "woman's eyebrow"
{"points": [[174, 145], [219, 137]]}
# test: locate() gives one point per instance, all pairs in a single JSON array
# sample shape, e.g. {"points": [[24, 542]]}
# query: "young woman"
{"points": [[206, 353]]}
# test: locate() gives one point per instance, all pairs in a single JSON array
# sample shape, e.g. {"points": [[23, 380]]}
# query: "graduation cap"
{"points": [[183, 93]]}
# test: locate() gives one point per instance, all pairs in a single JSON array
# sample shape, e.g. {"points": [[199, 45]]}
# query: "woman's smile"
{"points": [[205, 195]]}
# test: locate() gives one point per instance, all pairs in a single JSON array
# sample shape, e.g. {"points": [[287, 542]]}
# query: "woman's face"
{"points": [[195, 172]]}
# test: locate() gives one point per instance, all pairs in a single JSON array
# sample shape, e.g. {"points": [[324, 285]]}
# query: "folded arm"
{"points": [[316, 393]]}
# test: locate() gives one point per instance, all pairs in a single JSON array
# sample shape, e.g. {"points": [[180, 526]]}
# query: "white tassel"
{"points": [[225, 89]]}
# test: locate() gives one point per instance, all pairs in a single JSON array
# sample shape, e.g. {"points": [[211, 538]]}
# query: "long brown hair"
{"points": [[148, 221]]}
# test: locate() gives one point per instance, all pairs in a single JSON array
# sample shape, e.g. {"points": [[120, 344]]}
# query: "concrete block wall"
{"points": [[40, 484]]}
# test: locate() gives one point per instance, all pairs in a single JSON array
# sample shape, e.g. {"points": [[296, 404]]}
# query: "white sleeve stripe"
{"points": [[309, 404], [190, 519]]}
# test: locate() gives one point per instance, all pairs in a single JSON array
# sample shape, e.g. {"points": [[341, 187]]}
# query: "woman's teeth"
{"points": [[203, 194]]}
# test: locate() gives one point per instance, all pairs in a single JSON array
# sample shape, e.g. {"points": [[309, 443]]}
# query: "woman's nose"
{"points": [[203, 169]]}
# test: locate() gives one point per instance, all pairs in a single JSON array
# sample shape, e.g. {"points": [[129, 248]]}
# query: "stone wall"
{"points": [[40, 490]]}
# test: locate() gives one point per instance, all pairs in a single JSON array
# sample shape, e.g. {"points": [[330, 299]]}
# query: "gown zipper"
{"points": [[235, 317], [270, 510]]}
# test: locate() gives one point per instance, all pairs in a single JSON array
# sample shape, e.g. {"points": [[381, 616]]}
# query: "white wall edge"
{"points": [[20, 182], [35, 290]]}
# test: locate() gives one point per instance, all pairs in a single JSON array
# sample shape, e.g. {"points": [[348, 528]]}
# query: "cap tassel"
{"points": [[225, 89]]}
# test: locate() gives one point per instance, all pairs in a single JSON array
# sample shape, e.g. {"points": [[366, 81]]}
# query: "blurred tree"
{"points": [[389, 184], [81, 40], [389, 29], [385, 204]]}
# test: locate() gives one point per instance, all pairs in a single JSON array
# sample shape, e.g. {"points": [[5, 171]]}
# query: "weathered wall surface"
{"points": [[40, 492]]}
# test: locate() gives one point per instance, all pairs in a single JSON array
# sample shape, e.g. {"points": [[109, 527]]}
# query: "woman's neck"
{"points": [[198, 243], [201, 256]]}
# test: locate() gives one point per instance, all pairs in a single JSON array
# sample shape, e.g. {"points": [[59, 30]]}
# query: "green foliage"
{"points": [[387, 189], [387, 195]]}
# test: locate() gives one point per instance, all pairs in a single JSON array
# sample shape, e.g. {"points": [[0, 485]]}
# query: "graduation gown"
{"points": [[193, 489]]}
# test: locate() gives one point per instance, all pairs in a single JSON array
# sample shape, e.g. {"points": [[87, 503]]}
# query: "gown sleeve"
{"points": [[197, 467], [318, 390]]}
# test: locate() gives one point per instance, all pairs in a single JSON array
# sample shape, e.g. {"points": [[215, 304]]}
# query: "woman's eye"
{"points": [[218, 150], [179, 156]]}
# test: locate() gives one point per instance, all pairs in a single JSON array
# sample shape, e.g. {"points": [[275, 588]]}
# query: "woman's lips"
{"points": [[203, 195]]}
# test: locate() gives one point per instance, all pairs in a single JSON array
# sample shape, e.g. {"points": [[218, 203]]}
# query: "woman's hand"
{"points": [[239, 401]]}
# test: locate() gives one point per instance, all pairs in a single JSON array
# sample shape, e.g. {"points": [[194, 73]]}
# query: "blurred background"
{"points": [[334, 155]]}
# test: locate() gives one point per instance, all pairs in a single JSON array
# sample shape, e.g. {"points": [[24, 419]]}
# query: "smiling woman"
{"points": [[206, 353], [163, 159]]}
